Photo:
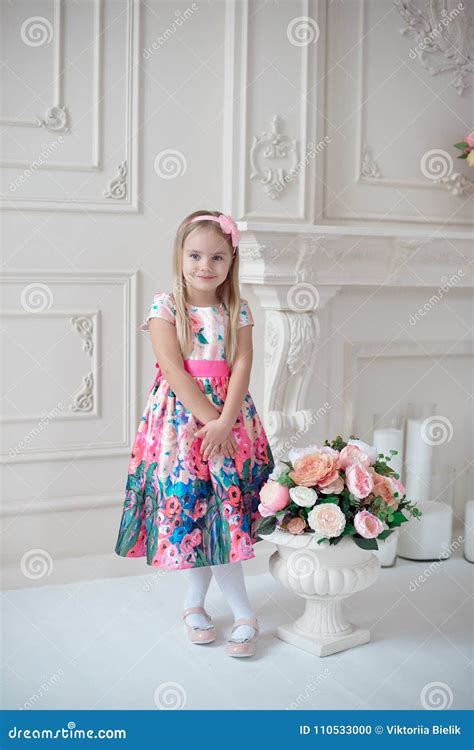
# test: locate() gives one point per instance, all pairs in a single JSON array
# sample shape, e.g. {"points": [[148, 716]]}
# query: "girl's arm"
{"points": [[168, 355], [240, 377]]}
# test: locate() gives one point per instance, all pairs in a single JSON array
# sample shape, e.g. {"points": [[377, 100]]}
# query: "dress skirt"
{"points": [[181, 511]]}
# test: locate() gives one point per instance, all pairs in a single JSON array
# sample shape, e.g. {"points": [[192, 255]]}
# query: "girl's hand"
{"points": [[216, 436]]}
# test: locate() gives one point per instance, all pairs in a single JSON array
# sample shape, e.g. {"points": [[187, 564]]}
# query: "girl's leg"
{"points": [[231, 581], [199, 580]]}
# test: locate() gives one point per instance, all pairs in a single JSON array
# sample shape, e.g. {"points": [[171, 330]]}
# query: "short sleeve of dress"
{"points": [[161, 307], [245, 317]]}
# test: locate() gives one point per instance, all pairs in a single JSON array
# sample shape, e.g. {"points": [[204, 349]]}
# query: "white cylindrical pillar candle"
{"points": [[469, 531], [418, 458], [428, 537]]}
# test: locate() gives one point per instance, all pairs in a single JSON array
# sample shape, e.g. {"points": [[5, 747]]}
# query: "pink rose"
{"points": [[359, 480], [334, 488], [352, 453], [367, 525], [469, 139], [399, 487], [296, 525], [274, 496], [265, 512]]}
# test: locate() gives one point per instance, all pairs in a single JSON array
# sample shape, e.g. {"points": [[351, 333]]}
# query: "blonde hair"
{"points": [[228, 292]]}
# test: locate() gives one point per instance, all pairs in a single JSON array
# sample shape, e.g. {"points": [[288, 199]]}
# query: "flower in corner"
{"points": [[305, 497], [327, 519], [273, 497], [296, 525], [367, 525]]}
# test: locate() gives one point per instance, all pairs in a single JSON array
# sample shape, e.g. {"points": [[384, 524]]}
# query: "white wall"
{"points": [[139, 138]]}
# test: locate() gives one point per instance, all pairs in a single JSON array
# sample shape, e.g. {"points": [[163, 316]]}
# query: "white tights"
{"points": [[231, 581]]}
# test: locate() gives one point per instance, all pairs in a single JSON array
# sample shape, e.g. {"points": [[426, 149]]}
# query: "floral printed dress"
{"points": [[180, 511]]}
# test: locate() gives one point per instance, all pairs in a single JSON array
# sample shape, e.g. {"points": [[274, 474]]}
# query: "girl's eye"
{"points": [[196, 255]]}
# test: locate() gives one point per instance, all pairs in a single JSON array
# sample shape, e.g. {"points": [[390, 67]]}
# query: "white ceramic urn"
{"points": [[323, 575]]}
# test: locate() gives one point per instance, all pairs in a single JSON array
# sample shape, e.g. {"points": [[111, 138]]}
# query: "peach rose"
{"points": [[384, 487], [335, 488], [320, 468], [274, 496], [352, 453], [359, 480], [327, 519], [296, 525], [367, 525]]}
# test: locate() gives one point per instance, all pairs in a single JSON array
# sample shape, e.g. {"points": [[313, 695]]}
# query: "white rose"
{"points": [[303, 496], [327, 519]]}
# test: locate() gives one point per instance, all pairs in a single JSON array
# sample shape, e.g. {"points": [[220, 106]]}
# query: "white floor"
{"points": [[118, 643]]}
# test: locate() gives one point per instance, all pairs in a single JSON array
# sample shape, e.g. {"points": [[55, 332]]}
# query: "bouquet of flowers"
{"points": [[336, 490], [467, 148]]}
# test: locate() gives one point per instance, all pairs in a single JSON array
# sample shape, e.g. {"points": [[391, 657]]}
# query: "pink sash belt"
{"points": [[204, 367]]}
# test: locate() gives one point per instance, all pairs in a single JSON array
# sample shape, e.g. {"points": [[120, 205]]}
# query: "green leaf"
{"points": [[384, 534], [461, 145], [329, 499], [399, 518], [463, 156], [348, 529], [266, 526], [285, 480], [365, 543]]}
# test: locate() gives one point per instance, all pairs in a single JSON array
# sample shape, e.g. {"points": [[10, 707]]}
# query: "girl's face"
{"points": [[206, 261]]}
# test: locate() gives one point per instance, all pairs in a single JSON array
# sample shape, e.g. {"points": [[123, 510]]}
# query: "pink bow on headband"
{"points": [[228, 226]]}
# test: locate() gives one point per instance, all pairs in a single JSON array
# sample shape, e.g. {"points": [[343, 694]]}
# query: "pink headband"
{"points": [[228, 226]]}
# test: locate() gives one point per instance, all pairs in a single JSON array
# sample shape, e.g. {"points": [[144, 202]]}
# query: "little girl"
{"points": [[200, 455]]}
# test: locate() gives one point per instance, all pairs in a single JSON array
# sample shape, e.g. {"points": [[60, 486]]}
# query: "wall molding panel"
{"points": [[84, 154], [82, 370]]}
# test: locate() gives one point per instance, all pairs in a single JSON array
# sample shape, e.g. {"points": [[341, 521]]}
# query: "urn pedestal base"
{"points": [[323, 576], [320, 646]]}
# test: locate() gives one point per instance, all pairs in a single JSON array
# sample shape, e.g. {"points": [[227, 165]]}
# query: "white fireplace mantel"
{"points": [[281, 254], [296, 270]]}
